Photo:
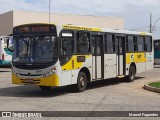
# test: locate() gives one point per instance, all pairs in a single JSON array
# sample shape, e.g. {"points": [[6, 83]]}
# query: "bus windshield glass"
{"points": [[40, 49]]}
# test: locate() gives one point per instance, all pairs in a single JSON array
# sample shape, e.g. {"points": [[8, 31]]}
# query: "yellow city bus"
{"points": [[49, 55]]}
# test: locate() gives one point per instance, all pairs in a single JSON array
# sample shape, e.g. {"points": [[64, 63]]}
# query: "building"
{"points": [[13, 18]]}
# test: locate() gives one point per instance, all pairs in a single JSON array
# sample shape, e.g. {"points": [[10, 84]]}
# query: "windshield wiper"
{"points": [[27, 52], [33, 43], [38, 39]]}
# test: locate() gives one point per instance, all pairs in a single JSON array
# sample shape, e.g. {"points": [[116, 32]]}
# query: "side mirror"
{"points": [[10, 45]]}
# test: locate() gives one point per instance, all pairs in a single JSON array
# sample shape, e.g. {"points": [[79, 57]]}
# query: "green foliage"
{"points": [[155, 84]]}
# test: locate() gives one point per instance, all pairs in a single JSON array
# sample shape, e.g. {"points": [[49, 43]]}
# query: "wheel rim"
{"points": [[82, 82]]}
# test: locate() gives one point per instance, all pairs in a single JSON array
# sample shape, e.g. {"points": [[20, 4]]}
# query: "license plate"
{"points": [[29, 80]]}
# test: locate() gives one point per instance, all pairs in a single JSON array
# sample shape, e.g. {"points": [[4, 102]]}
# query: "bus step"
{"points": [[121, 76]]}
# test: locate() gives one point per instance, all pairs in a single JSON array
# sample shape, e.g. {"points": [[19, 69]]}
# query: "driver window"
{"points": [[68, 46]]}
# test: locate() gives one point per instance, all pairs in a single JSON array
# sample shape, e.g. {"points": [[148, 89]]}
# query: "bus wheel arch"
{"points": [[82, 79], [87, 72]]}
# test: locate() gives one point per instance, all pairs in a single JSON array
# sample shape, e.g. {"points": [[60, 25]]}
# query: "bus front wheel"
{"points": [[132, 74], [81, 82]]}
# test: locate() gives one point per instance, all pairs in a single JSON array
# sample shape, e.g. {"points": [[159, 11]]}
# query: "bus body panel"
{"points": [[110, 64], [141, 67], [7, 58], [99, 67], [157, 57], [143, 61], [120, 65], [149, 61], [74, 76], [52, 80], [156, 53], [66, 78], [72, 68], [139, 59], [93, 68], [39, 77], [87, 65], [65, 75], [5, 54], [127, 69]]}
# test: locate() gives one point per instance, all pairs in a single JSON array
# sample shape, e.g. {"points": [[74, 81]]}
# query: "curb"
{"points": [[153, 89]]}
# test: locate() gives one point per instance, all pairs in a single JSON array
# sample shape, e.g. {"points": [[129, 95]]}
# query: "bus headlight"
{"points": [[55, 69], [48, 74], [14, 73], [44, 75], [51, 72]]}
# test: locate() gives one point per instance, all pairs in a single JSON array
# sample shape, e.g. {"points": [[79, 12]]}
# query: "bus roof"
{"points": [[34, 24], [94, 29], [74, 27]]}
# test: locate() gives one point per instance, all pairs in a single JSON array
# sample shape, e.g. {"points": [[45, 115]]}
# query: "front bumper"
{"points": [[52, 80]]}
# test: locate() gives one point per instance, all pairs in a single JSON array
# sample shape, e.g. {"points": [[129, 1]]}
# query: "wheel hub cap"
{"points": [[82, 83]]}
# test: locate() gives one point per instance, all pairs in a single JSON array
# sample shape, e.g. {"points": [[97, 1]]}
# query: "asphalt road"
{"points": [[108, 95]]}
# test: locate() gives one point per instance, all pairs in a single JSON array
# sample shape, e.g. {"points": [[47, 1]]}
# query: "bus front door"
{"points": [[121, 55], [98, 57]]}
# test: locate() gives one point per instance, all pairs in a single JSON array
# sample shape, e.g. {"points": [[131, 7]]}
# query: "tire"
{"points": [[81, 82], [45, 88], [132, 74]]}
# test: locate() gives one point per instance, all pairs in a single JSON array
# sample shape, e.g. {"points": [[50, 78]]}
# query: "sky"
{"points": [[136, 13]]}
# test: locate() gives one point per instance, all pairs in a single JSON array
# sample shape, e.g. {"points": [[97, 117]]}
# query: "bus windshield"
{"points": [[32, 50]]}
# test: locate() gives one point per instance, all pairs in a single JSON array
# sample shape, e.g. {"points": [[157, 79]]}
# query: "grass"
{"points": [[155, 84]]}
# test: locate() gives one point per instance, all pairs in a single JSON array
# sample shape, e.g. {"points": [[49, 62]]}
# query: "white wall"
{"points": [[6, 24], [14, 18], [21, 17]]}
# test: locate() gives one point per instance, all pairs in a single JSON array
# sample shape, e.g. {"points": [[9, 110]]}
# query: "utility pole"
{"points": [[49, 11], [152, 26], [150, 23]]}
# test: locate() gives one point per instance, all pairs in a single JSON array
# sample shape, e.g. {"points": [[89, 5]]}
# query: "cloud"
{"points": [[135, 12]]}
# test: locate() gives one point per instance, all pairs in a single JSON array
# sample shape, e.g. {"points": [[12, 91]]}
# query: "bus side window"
{"points": [[148, 44], [156, 46], [140, 43], [110, 43], [83, 43], [131, 44]]}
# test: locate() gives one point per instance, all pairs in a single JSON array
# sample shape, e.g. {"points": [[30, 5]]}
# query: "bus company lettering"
{"points": [[139, 56]]}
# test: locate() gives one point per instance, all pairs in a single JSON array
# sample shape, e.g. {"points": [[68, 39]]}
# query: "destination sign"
{"points": [[40, 29], [34, 29]]}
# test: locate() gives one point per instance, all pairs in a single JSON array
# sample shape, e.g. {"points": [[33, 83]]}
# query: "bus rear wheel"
{"points": [[132, 74], [45, 88], [81, 82]]}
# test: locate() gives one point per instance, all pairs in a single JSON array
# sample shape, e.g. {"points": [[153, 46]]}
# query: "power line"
{"points": [[140, 28], [157, 27]]}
